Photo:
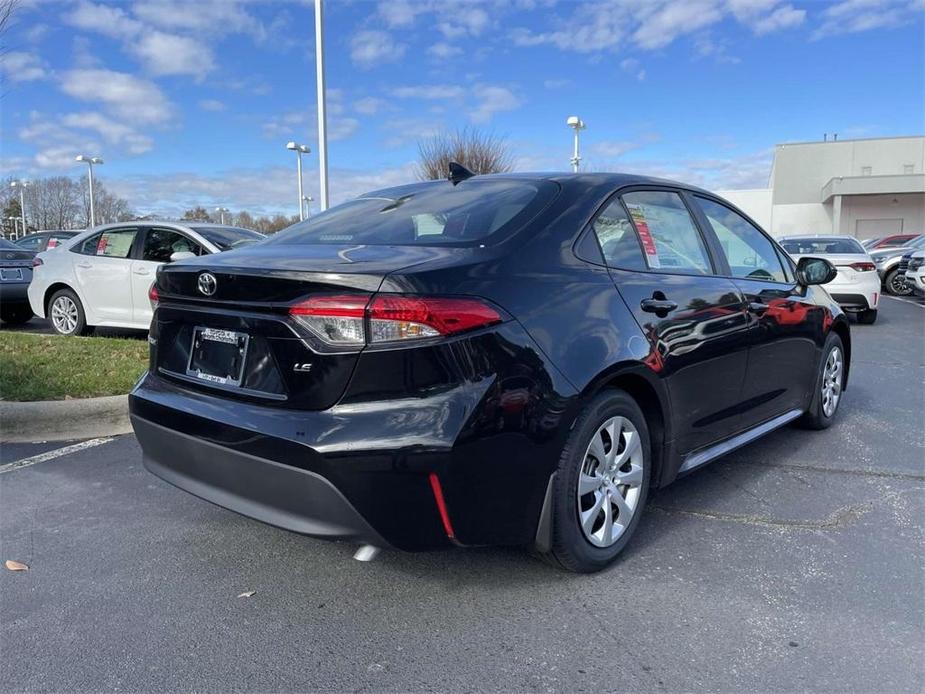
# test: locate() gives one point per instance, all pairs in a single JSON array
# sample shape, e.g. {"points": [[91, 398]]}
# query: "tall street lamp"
{"points": [[322, 107], [222, 211], [577, 125], [308, 200], [90, 161], [22, 201], [299, 151]]}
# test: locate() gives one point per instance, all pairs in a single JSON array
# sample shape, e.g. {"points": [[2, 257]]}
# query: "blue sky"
{"points": [[192, 102]]}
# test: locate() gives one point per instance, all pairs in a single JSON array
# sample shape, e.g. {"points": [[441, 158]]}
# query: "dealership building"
{"points": [[863, 188]]}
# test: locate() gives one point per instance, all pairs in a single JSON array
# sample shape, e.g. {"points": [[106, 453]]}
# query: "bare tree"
{"points": [[7, 7], [480, 152]]}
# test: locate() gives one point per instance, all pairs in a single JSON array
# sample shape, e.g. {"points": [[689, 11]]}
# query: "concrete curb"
{"points": [[59, 420]]}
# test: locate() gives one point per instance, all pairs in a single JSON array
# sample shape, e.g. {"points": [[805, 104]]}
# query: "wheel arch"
{"points": [[840, 328], [56, 287], [649, 392]]}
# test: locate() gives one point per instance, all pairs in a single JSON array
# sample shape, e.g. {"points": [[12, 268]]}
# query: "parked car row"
{"points": [[102, 277], [888, 262]]}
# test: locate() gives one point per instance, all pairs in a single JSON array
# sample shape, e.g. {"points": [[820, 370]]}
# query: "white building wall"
{"points": [[756, 203], [867, 216]]}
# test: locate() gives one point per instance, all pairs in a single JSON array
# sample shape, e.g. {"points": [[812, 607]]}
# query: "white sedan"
{"points": [[856, 287], [102, 277]]}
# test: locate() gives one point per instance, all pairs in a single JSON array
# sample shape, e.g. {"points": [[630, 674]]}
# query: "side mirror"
{"points": [[181, 255], [815, 271]]}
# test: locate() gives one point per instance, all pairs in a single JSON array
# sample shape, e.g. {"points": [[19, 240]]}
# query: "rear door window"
{"points": [[670, 239], [750, 253], [115, 243], [31, 244]]}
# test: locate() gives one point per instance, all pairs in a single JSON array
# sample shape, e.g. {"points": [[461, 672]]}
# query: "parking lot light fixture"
{"points": [[322, 106], [22, 201], [299, 151], [221, 211], [90, 161], [308, 200], [576, 124]]}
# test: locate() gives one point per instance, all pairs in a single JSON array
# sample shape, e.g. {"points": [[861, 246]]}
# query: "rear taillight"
{"points": [[354, 320], [153, 296], [37, 261], [863, 267]]}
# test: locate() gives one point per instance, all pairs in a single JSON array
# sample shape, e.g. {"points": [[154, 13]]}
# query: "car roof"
{"points": [[834, 237], [566, 180]]}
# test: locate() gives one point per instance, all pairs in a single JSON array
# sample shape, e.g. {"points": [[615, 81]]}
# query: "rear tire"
{"points": [[829, 384], [895, 283], [66, 314], [16, 315], [868, 317], [608, 453]]}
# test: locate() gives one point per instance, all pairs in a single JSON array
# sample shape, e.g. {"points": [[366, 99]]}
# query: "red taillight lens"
{"points": [[37, 261], [863, 267], [153, 296], [397, 317], [340, 320]]}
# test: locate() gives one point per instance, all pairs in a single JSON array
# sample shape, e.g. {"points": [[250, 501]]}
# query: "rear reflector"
{"points": [[863, 267], [340, 320], [441, 505]]}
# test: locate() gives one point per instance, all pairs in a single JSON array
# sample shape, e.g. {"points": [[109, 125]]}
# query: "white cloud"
{"points": [[398, 13], [134, 99], [444, 50], [654, 24], [213, 105], [855, 16], [21, 66], [369, 105], [371, 47], [631, 67], [201, 17], [433, 91], [556, 84], [491, 100]]}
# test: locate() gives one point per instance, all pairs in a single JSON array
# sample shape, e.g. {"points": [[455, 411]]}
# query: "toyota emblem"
{"points": [[207, 283]]}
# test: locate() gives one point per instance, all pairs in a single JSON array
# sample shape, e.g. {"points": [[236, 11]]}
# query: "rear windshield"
{"points": [[427, 214], [227, 238], [822, 245], [8, 245]]}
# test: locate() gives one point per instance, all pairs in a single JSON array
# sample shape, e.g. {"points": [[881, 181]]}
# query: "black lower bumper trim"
{"points": [[287, 497], [851, 300]]}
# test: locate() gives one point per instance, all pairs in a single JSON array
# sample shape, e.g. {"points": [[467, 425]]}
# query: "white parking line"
{"points": [[51, 455], [905, 301]]}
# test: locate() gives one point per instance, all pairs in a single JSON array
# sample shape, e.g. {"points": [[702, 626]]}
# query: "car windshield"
{"points": [[427, 214], [227, 238], [822, 245], [9, 245]]}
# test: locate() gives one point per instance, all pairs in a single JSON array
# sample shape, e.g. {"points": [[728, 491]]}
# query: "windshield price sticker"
{"points": [[648, 243]]}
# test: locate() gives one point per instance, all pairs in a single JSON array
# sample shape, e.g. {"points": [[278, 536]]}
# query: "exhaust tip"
{"points": [[366, 553]]}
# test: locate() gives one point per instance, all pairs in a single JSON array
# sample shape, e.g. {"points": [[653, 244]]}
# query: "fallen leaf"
{"points": [[16, 565], [247, 594]]}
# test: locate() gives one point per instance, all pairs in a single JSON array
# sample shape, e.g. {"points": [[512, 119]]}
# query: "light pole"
{"points": [[322, 107], [308, 199], [299, 151], [577, 125], [90, 161], [13, 221], [22, 201], [222, 211]]}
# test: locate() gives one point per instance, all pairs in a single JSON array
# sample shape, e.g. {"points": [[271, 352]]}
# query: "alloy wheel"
{"points": [[610, 481], [831, 382], [64, 315], [898, 284]]}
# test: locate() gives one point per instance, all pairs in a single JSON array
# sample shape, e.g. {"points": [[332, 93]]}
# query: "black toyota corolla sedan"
{"points": [[505, 360]]}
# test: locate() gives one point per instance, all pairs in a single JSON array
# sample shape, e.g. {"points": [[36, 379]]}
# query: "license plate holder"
{"points": [[218, 356], [11, 274]]}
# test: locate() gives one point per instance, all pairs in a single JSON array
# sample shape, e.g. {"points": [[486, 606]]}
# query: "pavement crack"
{"points": [[838, 471], [835, 520]]}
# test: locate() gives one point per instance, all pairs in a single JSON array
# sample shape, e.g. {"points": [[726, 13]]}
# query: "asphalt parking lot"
{"points": [[796, 563]]}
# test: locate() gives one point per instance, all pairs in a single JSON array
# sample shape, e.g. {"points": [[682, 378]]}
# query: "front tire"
{"points": [[601, 484], [829, 384], [66, 314], [895, 283], [868, 317]]}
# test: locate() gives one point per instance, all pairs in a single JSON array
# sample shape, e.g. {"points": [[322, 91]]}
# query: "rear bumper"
{"points": [[281, 495], [14, 293], [861, 293]]}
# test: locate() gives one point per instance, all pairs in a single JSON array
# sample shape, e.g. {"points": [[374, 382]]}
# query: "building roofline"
{"points": [[855, 139]]}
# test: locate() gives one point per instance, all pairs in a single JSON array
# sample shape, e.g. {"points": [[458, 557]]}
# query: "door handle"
{"points": [[757, 308], [141, 271], [660, 307], [85, 266]]}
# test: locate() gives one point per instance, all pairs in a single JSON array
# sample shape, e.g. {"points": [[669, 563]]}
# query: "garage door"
{"points": [[877, 228]]}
